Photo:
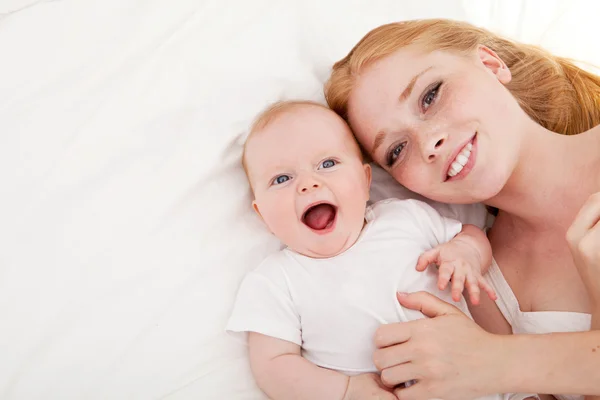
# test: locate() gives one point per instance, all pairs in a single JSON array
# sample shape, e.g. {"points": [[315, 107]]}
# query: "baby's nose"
{"points": [[309, 186]]}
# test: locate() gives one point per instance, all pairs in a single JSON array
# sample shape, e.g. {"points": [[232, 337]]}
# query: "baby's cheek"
{"points": [[361, 182], [286, 230], [278, 218]]}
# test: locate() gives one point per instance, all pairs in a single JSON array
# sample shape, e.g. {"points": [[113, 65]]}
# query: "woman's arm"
{"points": [[453, 358], [559, 363]]}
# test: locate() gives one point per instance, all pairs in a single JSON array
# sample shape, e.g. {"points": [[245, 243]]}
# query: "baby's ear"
{"points": [[368, 174], [256, 210]]}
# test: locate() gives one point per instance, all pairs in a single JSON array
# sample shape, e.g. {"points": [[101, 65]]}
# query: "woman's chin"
{"points": [[467, 195]]}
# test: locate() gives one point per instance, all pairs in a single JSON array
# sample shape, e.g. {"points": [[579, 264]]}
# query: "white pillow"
{"points": [[126, 220]]}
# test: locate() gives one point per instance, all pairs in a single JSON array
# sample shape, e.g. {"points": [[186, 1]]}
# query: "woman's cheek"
{"points": [[402, 173]]}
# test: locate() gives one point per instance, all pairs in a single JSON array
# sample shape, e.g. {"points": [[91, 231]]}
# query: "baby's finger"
{"points": [[458, 283], [444, 275], [427, 258], [473, 288], [483, 284]]}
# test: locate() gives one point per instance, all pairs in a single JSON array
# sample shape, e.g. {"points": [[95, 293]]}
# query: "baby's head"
{"points": [[308, 177]]}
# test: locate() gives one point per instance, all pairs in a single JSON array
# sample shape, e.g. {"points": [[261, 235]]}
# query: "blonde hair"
{"points": [[552, 90]]}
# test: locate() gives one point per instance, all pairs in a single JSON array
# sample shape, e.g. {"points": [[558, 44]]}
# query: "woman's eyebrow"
{"points": [[378, 140], [408, 90]]}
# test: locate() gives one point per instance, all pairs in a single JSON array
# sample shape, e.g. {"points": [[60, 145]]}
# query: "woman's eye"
{"points": [[281, 179], [394, 154], [328, 163], [430, 96]]}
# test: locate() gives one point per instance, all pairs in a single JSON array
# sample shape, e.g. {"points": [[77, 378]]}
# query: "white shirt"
{"points": [[332, 307], [535, 321]]}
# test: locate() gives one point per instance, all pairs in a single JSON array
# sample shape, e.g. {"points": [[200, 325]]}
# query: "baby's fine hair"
{"points": [[271, 112]]}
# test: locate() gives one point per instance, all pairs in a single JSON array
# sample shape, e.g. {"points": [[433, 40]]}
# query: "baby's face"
{"points": [[310, 185]]}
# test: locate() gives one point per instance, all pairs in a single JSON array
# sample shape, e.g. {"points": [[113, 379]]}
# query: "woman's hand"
{"points": [[584, 241], [449, 355]]}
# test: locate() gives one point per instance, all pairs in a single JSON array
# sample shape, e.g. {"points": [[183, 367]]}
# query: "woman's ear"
{"points": [[494, 64]]}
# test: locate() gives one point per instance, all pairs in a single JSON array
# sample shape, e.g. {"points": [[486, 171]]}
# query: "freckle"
{"points": [[593, 350]]}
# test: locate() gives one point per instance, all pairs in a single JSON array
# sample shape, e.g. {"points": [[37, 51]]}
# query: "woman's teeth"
{"points": [[460, 161]]}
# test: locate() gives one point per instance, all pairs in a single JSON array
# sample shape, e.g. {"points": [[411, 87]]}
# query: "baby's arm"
{"points": [[476, 238], [282, 373]]}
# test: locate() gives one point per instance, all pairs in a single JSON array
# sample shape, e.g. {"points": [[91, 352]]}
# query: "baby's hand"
{"points": [[367, 386], [458, 261]]}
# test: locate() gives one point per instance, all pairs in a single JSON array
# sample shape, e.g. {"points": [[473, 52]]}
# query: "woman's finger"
{"points": [[398, 374], [381, 385], [390, 356], [589, 244], [411, 392], [392, 334], [427, 303], [588, 216]]}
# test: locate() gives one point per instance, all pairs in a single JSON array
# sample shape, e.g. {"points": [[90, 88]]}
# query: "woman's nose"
{"points": [[432, 145]]}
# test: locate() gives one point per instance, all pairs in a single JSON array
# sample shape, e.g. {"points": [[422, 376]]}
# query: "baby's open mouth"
{"points": [[319, 216]]}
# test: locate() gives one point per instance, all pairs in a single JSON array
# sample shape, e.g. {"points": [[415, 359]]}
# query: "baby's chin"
{"points": [[327, 247]]}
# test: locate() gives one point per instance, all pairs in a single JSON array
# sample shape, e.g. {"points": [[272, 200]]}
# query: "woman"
{"points": [[459, 115]]}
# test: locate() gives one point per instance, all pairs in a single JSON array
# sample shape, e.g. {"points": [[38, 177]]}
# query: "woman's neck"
{"points": [[553, 178]]}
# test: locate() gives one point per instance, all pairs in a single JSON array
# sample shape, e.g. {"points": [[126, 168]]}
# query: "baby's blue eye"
{"points": [[328, 163], [281, 179]]}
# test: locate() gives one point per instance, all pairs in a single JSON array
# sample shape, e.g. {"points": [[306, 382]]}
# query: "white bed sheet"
{"points": [[125, 224]]}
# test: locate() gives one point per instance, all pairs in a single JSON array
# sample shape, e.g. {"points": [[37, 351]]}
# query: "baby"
{"points": [[311, 310]]}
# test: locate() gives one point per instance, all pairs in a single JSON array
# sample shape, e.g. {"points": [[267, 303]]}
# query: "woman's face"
{"points": [[441, 124]]}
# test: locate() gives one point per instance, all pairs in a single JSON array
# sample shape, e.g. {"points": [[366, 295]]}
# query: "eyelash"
{"points": [[334, 161], [431, 93], [274, 180], [289, 178], [391, 158]]}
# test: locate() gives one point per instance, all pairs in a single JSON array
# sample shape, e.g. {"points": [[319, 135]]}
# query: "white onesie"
{"points": [[332, 307]]}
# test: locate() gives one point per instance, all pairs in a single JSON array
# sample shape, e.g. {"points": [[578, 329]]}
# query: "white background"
{"points": [[125, 224]]}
